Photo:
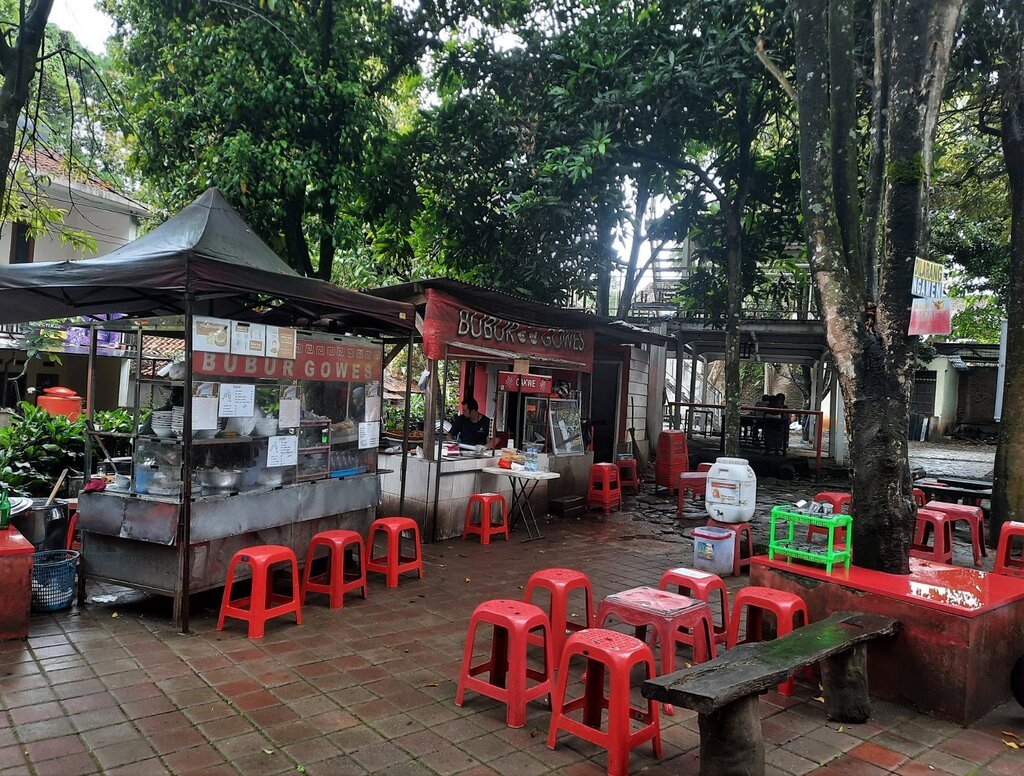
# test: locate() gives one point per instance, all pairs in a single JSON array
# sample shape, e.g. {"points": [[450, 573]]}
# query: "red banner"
{"points": [[931, 316], [328, 360], [449, 322], [513, 382]]}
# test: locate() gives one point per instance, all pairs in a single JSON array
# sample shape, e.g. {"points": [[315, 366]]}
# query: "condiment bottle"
{"points": [[5, 508]]}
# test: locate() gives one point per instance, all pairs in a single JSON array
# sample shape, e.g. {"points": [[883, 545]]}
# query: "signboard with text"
{"points": [[931, 316], [329, 360], [927, 281], [520, 383], [448, 322]]}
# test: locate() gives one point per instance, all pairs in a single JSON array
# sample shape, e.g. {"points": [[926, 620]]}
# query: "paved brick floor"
{"points": [[114, 688]]}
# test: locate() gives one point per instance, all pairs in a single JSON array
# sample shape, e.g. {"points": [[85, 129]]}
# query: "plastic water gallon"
{"points": [[713, 550], [732, 491]]}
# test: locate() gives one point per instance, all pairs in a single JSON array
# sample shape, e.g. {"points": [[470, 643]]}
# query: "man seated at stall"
{"points": [[472, 427]]}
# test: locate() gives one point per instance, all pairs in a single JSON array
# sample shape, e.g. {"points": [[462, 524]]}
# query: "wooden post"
{"points": [[845, 679], [731, 743]]}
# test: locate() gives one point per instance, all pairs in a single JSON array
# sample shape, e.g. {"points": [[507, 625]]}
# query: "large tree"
{"points": [[862, 244], [20, 38], [289, 108]]}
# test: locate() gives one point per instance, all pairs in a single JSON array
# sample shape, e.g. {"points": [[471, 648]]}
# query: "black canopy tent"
{"points": [[206, 252], [205, 260]]}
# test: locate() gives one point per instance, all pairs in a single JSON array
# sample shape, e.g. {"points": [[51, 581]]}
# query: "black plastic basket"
{"points": [[53, 580]]}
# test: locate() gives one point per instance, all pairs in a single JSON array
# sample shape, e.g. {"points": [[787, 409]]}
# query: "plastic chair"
{"points": [[616, 653], [334, 582], [560, 583], [1006, 563], [703, 585], [788, 608], [629, 474], [487, 502], [512, 622], [604, 492], [392, 563], [940, 528], [973, 516], [262, 603]]}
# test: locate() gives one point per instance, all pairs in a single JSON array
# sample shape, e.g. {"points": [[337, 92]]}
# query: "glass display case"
{"points": [[566, 428]]}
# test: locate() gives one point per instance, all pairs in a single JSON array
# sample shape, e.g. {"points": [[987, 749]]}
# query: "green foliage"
{"points": [[37, 446], [288, 108]]}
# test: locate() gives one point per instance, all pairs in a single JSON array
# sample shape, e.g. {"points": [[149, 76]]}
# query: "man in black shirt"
{"points": [[471, 428]]}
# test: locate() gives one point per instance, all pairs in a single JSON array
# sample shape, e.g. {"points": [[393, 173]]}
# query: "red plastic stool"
{"points": [[702, 585], [1005, 562], [262, 603], [629, 474], [758, 600], [840, 506], [694, 482], [919, 497], [704, 467], [936, 524], [617, 653], [604, 492], [559, 583], [974, 518], [334, 581], [487, 503], [392, 562], [740, 530], [70, 543], [512, 622]]}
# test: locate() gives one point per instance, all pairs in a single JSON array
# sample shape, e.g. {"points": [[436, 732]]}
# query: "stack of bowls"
{"points": [[162, 423], [177, 420]]}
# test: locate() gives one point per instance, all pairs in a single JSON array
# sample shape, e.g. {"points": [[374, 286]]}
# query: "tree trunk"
{"points": [[629, 283], [870, 346], [605, 255], [17, 65], [734, 273], [1008, 487]]}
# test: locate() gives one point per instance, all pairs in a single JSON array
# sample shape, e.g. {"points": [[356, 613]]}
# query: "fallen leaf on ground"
{"points": [[1012, 744], [1010, 733], [268, 751], [820, 699], [468, 579]]}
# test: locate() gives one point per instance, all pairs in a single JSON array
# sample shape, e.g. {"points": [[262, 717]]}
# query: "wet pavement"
{"points": [[114, 688]]}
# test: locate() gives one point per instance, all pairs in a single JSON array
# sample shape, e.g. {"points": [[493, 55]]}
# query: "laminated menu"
{"points": [[248, 339], [211, 335]]}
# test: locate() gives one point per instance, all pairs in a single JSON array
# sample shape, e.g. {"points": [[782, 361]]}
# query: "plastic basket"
{"points": [[53, 580]]}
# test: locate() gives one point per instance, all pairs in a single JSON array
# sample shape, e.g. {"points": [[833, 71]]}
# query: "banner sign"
{"points": [[449, 322], [514, 382], [334, 359], [927, 279], [931, 316]]}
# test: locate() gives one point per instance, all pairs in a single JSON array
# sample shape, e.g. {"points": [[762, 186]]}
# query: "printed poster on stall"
{"points": [[248, 339], [282, 451], [290, 407], [204, 406], [237, 400], [369, 434], [211, 335], [280, 342]]}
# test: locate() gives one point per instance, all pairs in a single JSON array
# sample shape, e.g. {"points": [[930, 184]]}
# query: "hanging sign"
{"points": [[448, 322], [334, 359], [931, 316], [927, 281], [513, 383]]}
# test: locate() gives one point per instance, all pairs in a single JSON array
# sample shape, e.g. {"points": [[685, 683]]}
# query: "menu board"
{"points": [[248, 339], [369, 434], [280, 342], [282, 451], [237, 400], [211, 335]]}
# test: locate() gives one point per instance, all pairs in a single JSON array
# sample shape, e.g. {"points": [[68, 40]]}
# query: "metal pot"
{"points": [[224, 479], [45, 527]]}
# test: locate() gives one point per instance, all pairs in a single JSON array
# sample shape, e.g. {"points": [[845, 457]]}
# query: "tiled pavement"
{"points": [[114, 688]]}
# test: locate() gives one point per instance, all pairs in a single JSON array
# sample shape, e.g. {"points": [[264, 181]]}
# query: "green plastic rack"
{"points": [[826, 553]]}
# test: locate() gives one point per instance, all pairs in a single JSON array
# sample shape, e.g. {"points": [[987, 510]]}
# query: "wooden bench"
{"points": [[724, 691]]}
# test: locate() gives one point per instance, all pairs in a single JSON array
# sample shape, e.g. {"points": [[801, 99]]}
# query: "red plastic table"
{"points": [[16, 582], [666, 612]]}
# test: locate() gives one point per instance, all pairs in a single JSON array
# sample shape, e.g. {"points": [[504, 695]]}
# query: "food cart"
{"points": [[529, 366], [266, 431]]}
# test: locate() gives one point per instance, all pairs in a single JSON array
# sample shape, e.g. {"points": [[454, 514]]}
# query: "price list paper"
{"points": [[283, 451], [237, 400]]}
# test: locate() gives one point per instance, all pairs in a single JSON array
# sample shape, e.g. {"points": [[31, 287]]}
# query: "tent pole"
{"points": [[440, 441], [184, 548], [405, 430]]}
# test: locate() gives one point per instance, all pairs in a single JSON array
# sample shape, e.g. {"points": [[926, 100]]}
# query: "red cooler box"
{"points": [[16, 582]]}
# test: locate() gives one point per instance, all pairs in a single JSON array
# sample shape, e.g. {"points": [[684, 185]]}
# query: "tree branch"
{"points": [[679, 164], [772, 68]]}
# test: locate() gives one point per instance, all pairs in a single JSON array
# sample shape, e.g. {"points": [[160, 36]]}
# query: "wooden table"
{"points": [[523, 484], [938, 491]]}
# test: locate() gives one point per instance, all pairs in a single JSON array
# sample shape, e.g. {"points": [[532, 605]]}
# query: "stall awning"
{"points": [[480, 353], [206, 251]]}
